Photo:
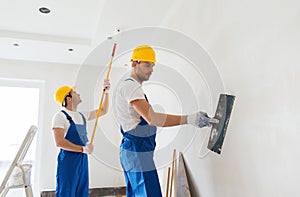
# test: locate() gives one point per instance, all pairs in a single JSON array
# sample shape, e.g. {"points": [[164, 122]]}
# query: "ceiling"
{"points": [[72, 29]]}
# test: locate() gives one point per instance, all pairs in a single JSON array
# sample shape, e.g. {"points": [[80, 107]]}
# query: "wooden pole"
{"points": [[168, 182], [103, 92]]}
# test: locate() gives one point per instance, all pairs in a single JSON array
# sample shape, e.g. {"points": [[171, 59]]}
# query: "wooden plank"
{"points": [[182, 188], [175, 177], [172, 172], [168, 182]]}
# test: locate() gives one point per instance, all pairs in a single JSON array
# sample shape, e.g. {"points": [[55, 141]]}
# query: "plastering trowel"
{"points": [[220, 122]]}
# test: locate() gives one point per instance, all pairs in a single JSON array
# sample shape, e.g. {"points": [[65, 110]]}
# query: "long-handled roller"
{"points": [[103, 92], [220, 122]]}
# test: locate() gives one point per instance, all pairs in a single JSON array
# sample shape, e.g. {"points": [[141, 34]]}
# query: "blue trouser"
{"points": [[142, 184], [136, 156], [72, 177]]}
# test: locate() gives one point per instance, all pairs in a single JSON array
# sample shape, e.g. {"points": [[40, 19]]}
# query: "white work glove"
{"points": [[106, 85], [199, 119], [88, 149]]}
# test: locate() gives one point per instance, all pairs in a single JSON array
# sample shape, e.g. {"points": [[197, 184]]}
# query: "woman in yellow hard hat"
{"points": [[69, 128], [138, 126]]}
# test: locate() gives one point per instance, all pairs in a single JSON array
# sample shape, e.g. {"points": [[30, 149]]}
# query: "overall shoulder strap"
{"points": [[84, 121], [67, 115], [146, 98]]}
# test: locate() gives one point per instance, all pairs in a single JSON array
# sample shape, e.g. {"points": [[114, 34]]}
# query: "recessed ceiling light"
{"points": [[71, 49], [16, 44], [44, 10]]}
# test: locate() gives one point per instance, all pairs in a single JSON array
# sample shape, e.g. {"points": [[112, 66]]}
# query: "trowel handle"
{"points": [[214, 121]]}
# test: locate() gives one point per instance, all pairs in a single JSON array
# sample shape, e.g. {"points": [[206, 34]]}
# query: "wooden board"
{"points": [[182, 188]]}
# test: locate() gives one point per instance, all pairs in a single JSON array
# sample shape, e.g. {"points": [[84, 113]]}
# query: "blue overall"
{"points": [[72, 176], [136, 155]]}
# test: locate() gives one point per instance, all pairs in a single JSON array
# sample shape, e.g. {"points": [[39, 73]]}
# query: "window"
{"points": [[19, 104]]}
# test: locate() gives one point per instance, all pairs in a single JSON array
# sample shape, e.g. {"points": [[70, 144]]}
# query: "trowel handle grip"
{"points": [[214, 121]]}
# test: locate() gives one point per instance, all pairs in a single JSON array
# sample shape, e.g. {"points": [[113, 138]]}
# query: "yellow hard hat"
{"points": [[143, 53], [61, 93]]}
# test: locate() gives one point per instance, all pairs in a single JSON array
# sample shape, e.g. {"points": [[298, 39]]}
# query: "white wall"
{"points": [[255, 45]]}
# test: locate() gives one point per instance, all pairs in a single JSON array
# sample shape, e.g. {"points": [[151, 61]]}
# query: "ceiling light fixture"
{"points": [[71, 49], [44, 10], [16, 44]]}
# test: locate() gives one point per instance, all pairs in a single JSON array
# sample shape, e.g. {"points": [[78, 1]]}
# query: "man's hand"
{"points": [[88, 149], [106, 85], [199, 119]]}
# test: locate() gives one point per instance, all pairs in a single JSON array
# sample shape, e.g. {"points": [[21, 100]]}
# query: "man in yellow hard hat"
{"points": [[69, 128], [138, 126]]}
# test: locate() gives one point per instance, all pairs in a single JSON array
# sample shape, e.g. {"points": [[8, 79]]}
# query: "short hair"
{"points": [[64, 103]]}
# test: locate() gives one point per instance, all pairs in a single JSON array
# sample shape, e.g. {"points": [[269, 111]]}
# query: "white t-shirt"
{"points": [[60, 120], [129, 90]]}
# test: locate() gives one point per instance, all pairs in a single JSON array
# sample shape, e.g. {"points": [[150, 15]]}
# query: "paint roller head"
{"points": [[220, 123]]}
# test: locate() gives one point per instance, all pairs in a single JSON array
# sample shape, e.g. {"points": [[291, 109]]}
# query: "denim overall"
{"points": [[136, 156], [72, 167]]}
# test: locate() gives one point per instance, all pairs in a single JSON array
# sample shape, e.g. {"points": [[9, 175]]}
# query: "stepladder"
{"points": [[19, 174]]}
